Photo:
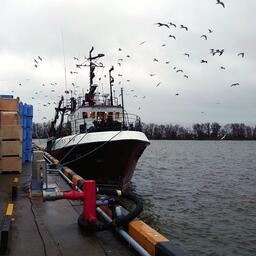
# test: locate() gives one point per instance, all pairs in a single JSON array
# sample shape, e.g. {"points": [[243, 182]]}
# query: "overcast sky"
{"points": [[62, 29]]}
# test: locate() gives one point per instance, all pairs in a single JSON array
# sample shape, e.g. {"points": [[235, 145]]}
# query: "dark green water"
{"points": [[201, 194]]}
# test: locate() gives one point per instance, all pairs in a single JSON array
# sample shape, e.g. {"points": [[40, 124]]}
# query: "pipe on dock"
{"points": [[137, 247]]}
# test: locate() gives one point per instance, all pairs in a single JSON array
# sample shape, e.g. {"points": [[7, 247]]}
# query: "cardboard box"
{"points": [[9, 104], [10, 148], [10, 164], [9, 118], [10, 132]]}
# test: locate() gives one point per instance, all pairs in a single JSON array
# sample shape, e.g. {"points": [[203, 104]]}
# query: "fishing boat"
{"points": [[95, 136]]}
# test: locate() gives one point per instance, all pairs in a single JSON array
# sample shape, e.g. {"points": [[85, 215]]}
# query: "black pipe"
{"points": [[117, 222]]}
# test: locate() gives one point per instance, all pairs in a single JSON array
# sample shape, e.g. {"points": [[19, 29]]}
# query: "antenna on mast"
{"points": [[111, 81]]}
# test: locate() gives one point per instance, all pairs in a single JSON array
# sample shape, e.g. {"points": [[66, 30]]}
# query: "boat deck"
{"points": [[50, 228]]}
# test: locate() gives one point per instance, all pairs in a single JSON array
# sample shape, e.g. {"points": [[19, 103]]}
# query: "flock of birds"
{"points": [[123, 57]]}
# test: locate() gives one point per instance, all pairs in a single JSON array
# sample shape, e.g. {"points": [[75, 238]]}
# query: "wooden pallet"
{"points": [[10, 148], [9, 118], [9, 104], [10, 164], [11, 132]]}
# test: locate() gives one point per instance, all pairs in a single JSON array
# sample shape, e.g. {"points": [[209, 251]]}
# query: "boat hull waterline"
{"points": [[108, 157]]}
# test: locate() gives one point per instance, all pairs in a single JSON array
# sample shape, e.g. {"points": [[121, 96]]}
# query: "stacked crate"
{"points": [[10, 135], [26, 114]]}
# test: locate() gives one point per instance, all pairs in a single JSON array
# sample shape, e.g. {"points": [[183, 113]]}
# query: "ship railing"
{"points": [[126, 122]]}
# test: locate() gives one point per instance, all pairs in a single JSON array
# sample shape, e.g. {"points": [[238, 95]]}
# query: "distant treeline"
{"points": [[202, 131]]}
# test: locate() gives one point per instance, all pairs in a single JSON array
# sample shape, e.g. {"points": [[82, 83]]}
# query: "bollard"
{"points": [[90, 203]]}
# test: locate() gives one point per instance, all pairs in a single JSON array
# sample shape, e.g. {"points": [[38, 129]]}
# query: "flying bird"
{"points": [[220, 52], [152, 74], [40, 58], [235, 84], [172, 24], [221, 3], [35, 61], [204, 36], [35, 66], [158, 84], [187, 54], [222, 68], [204, 61], [186, 76], [177, 94], [179, 70], [172, 36], [182, 26], [119, 49], [143, 42], [241, 54], [163, 45], [209, 30], [155, 59], [128, 56], [162, 24], [167, 62]]}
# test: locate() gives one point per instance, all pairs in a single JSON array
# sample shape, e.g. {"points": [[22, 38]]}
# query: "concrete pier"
{"points": [[50, 228]]}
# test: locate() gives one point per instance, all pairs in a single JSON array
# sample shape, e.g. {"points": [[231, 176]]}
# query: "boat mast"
{"points": [[122, 97], [111, 81]]}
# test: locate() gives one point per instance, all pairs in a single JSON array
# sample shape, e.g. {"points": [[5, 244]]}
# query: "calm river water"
{"points": [[201, 194]]}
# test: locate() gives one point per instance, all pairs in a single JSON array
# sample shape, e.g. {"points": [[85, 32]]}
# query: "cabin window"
{"points": [[85, 115], [117, 115], [92, 114], [110, 115], [101, 115], [82, 128]]}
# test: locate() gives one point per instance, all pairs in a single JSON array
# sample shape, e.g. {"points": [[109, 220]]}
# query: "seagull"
{"points": [[120, 59], [209, 30], [163, 45], [40, 58], [220, 52], [187, 54], [162, 24], [75, 58], [35, 66], [221, 3], [204, 36], [182, 26], [204, 61], [241, 54], [212, 51], [235, 84], [120, 75], [20, 84], [152, 74], [155, 59], [35, 61], [179, 70], [172, 36], [172, 24], [167, 62], [119, 49], [186, 76], [158, 84], [177, 94], [222, 68], [128, 56], [143, 42]]}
